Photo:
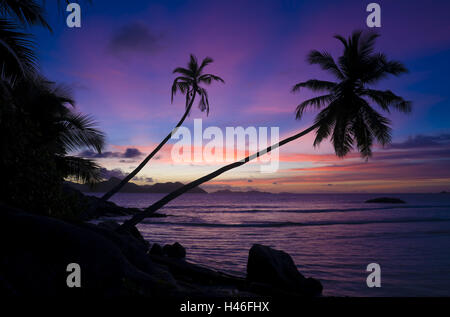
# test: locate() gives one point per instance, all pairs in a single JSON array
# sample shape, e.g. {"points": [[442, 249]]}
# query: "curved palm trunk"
{"points": [[124, 181], [160, 203]]}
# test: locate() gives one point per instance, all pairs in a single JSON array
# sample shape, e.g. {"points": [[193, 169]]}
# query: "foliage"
{"points": [[189, 83], [38, 128], [346, 113]]}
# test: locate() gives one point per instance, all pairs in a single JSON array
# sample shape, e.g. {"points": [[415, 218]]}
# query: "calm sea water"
{"points": [[332, 237]]}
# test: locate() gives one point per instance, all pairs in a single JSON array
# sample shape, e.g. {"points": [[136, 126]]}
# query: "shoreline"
{"points": [[114, 264]]}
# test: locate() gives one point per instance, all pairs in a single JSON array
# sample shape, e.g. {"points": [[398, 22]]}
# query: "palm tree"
{"points": [[62, 130], [346, 113], [39, 129], [188, 83]]}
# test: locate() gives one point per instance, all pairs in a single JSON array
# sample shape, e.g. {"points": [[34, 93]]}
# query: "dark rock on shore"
{"points": [[175, 250], [156, 249], [386, 200], [36, 251], [268, 268]]}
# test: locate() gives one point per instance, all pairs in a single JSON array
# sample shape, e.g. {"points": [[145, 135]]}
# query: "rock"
{"points": [[175, 250], [108, 224], [156, 249], [189, 272], [36, 251], [386, 200], [276, 268], [133, 236]]}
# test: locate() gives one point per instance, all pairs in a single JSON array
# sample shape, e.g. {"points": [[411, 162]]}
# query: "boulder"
{"points": [[36, 251], [277, 269], [175, 250], [132, 236], [156, 249]]}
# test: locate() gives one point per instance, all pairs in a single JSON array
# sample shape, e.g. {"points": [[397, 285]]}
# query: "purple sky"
{"points": [[120, 65]]}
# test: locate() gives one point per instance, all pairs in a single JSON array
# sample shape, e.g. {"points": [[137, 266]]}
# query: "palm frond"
{"points": [[315, 85], [206, 61], [341, 137], [28, 12], [379, 67], [80, 131], [16, 51], [386, 99], [316, 102], [326, 121], [378, 124], [342, 40], [326, 62], [181, 84], [183, 71], [193, 64], [208, 78], [367, 43], [363, 136], [80, 169], [204, 102]]}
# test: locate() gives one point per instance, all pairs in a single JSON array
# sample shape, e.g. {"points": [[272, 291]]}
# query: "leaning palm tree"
{"points": [[188, 83], [347, 115]]}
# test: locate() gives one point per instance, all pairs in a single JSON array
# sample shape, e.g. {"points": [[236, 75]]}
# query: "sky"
{"points": [[119, 65]]}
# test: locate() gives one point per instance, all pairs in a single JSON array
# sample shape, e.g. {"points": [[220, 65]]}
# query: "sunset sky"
{"points": [[120, 62]]}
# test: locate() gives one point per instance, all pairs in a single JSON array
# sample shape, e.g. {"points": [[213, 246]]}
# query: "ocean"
{"points": [[331, 237]]}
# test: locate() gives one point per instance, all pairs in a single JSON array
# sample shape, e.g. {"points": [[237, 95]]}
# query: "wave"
{"points": [[272, 209], [293, 224]]}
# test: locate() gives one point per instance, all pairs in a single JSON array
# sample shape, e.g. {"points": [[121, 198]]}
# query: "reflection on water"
{"points": [[330, 237]]}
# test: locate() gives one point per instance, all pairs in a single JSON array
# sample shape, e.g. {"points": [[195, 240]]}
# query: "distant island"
{"points": [[386, 200], [159, 188], [252, 192]]}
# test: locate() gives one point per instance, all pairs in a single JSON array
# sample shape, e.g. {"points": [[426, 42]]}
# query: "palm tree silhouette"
{"points": [[346, 114], [188, 83], [62, 129]]}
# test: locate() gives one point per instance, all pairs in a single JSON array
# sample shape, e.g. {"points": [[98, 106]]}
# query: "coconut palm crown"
{"points": [[190, 80], [347, 115]]}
